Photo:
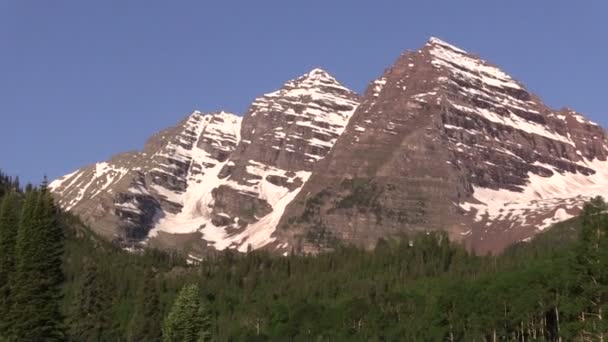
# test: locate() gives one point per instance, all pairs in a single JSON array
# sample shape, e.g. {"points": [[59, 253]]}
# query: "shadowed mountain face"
{"points": [[441, 141]]}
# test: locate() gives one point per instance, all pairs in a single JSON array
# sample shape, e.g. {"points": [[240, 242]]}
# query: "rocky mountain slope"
{"points": [[443, 140], [125, 197], [215, 179]]}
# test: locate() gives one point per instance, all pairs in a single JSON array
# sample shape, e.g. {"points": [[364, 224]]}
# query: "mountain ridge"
{"points": [[443, 140], [185, 179], [483, 124]]}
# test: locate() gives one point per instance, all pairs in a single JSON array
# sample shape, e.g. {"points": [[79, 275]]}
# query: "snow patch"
{"points": [[516, 122], [540, 197]]}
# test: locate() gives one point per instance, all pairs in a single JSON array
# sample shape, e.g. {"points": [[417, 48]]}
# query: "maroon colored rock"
{"points": [[443, 140]]}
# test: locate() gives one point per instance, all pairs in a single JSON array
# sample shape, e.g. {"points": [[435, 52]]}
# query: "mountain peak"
{"points": [[463, 64], [318, 76], [434, 42], [318, 72], [443, 140], [224, 114], [316, 81]]}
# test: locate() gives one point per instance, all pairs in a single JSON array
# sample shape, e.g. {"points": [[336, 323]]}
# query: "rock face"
{"points": [[125, 197], [283, 135], [202, 180], [443, 140]]}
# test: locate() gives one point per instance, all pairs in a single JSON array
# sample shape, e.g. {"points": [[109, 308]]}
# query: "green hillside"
{"points": [[418, 288]]}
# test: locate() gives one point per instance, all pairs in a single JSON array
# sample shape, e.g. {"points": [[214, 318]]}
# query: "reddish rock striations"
{"points": [[446, 141], [443, 140], [284, 134], [124, 198], [201, 184]]}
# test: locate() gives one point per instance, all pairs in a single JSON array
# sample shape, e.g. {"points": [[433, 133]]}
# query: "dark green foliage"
{"points": [[8, 184], [9, 222], [321, 236], [590, 283], [188, 320], [90, 313], [560, 236], [414, 288], [120, 275], [365, 195], [362, 193], [146, 322], [312, 207], [38, 275]]}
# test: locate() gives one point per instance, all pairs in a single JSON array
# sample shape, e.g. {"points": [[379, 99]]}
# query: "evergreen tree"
{"points": [[5, 183], [9, 221], [188, 320], [38, 279], [22, 288], [90, 318], [418, 288], [591, 273], [146, 322]]}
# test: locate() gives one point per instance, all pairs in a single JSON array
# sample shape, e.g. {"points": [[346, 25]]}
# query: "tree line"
{"points": [[59, 281]]}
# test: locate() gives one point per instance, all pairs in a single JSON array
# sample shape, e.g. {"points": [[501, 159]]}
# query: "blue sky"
{"points": [[83, 80]]}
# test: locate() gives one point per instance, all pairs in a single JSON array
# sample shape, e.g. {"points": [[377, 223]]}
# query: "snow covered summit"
{"points": [[442, 140]]}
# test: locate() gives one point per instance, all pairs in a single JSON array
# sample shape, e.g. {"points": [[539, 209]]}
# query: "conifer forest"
{"points": [[60, 282]]}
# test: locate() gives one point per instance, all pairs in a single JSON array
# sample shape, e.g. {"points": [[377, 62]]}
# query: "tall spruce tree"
{"points": [[9, 222], [146, 322], [38, 278], [21, 287], [591, 273], [188, 320], [4, 183], [90, 318]]}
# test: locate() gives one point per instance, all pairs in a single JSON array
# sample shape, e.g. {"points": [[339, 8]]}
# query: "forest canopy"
{"points": [[59, 281]]}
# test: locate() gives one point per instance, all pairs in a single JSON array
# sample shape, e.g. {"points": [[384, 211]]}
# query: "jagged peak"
{"points": [[316, 80], [219, 121], [225, 114], [220, 113], [318, 72], [445, 55], [317, 76], [434, 41], [579, 117]]}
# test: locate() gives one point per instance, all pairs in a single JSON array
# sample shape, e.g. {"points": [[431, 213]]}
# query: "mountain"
{"points": [[215, 179], [124, 197], [443, 140]]}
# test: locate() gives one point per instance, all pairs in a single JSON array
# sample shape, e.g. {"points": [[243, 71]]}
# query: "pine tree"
{"points": [[22, 288], [4, 184], [9, 221], [39, 275], [188, 320], [90, 318], [591, 273], [145, 324]]}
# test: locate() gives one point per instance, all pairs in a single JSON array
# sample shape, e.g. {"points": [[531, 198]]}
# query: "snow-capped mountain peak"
{"points": [[437, 42], [218, 179], [442, 140]]}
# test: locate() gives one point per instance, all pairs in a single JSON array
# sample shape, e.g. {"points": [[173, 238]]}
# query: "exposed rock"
{"points": [[124, 198], [443, 140], [201, 177]]}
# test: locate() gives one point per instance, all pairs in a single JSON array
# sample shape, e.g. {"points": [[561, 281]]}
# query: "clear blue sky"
{"points": [[83, 80]]}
